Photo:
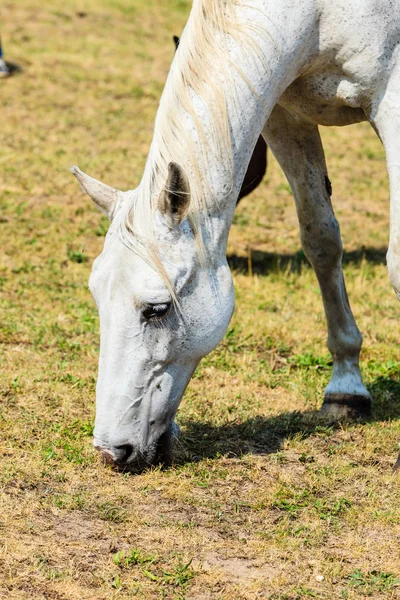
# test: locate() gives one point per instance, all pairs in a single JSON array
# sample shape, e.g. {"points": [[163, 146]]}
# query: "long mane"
{"points": [[179, 133]]}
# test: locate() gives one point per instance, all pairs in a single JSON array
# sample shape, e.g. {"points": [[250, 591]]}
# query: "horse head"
{"points": [[156, 322]]}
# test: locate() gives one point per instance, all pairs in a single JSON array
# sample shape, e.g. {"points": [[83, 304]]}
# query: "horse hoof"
{"points": [[346, 406]]}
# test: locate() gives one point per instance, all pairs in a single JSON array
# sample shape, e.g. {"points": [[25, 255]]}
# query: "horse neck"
{"points": [[250, 76]]}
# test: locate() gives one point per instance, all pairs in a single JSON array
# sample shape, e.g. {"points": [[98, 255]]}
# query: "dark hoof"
{"points": [[346, 406]]}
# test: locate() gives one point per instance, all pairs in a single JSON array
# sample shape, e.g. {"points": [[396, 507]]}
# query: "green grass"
{"points": [[264, 497]]}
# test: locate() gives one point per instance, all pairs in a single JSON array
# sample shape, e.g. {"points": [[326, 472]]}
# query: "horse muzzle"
{"points": [[125, 457]]}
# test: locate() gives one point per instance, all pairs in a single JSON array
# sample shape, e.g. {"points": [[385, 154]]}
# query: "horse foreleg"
{"points": [[297, 147]]}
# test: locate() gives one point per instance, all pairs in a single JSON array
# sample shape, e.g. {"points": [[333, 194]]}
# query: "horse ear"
{"points": [[175, 198], [176, 41], [106, 197]]}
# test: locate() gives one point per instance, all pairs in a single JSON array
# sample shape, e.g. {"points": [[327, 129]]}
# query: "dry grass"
{"points": [[264, 499]]}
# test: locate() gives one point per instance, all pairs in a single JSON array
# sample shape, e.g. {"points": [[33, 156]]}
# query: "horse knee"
{"points": [[322, 243]]}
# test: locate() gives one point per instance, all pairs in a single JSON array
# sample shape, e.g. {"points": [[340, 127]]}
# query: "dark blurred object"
{"points": [[4, 70]]}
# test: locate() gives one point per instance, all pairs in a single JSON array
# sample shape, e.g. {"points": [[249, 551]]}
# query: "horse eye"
{"points": [[156, 310]]}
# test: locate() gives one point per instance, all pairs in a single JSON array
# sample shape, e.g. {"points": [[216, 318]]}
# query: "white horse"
{"points": [[162, 284]]}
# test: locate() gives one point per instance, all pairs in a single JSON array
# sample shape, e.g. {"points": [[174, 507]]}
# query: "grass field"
{"points": [[264, 500]]}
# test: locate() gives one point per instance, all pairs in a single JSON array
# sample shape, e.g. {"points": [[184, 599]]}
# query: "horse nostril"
{"points": [[122, 453]]}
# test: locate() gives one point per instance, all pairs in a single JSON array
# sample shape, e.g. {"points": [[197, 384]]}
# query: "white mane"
{"points": [[203, 50]]}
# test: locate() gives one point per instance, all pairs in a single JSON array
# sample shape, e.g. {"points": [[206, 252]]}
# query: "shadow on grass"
{"points": [[266, 262], [13, 68], [266, 435], [258, 435]]}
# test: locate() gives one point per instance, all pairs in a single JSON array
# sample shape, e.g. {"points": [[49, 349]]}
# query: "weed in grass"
{"points": [[87, 428], [117, 583], [309, 361], [170, 572], [110, 512], [135, 556], [373, 582], [304, 458], [76, 256], [74, 454], [290, 501], [66, 445], [326, 510], [74, 381], [48, 453], [67, 502], [180, 575], [51, 573]]}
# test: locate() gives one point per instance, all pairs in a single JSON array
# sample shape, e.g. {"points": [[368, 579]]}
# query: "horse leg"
{"points": [[385, 118], [256, 169], [297, 146]]}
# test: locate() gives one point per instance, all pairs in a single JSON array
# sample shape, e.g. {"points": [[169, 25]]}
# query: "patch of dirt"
{"points": [[238, 569], [77, 526], [33, 592]]}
